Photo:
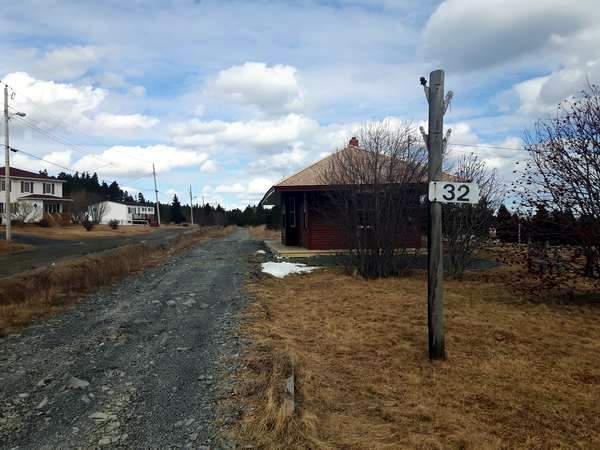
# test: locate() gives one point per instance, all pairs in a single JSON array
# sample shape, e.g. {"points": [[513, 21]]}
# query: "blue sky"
{"points": [[229, 96]]}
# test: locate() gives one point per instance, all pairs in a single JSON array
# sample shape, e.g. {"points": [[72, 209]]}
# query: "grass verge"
{"points": [[12, 246], [518, 374], [76, 231], [262, 233], [41, 292]]}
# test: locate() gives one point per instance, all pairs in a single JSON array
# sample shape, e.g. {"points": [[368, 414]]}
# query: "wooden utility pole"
{"points": [[435, 276], [191, 206], [6, 169], [156, 194]]}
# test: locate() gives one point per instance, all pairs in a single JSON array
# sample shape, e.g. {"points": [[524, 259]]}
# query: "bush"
{"points": [[114, 224], [44, 222], [87, 224]]}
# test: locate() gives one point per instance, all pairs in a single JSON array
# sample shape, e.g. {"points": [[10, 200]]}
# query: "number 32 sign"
{"points": [[448, 192]]}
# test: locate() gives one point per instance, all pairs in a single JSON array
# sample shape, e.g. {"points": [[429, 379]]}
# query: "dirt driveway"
{"points": [[137, 365], [48, 251]]}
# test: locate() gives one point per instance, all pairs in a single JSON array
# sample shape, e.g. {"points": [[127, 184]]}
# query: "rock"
{"points": [[99, 416], [193, 436], [24, 395], [171, 303], [85, 399], [44, 381], [189, 421], [77, 383], [183, 349], [178, 424], [203, 305], [104, 441], [43, 403]]}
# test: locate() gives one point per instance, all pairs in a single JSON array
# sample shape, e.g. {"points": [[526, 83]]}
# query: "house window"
{"points": [[26, 186], [2, 185], [131, 210], [292, 212], [48, 188], [1, 208]]}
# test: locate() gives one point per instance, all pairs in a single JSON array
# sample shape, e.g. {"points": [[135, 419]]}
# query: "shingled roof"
{"points": [[20, 173], [312, 176]]}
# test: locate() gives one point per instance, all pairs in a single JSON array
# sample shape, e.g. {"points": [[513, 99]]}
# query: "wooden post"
{"points": [[435, 275]]}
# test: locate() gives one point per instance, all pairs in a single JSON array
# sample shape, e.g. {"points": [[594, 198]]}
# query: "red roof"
{"points": [[20, 173]]}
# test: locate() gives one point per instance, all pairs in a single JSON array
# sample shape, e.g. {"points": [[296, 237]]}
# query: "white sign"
{"points": [[449, 192]]}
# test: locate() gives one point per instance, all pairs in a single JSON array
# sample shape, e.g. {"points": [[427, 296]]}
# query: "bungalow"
{"points": [[309, 216], [32, 194], [125, 213]]}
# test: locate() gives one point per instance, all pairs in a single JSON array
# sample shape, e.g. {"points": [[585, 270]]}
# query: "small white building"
{"points": [[32, 195], [125, 213]]}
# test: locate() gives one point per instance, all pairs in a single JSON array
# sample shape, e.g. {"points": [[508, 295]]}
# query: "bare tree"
{"points": [[564, 170], [98, 211], [375, 194], [22, 211], [465, 227], [87, 206]]}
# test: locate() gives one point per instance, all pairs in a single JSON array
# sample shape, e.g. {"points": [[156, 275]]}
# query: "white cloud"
{"points": [[124, 121], [269, 89], [259, 185], [137, 161], [46, 100], [234, 188], [501, 31], [260, 134], [208, 166], [22, 161], [68, 62]]}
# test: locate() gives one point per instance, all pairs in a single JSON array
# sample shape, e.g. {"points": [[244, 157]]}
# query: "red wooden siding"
{"points": [[318, 230]]}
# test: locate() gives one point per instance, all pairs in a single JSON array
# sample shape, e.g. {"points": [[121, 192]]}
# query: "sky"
{"points": [[230, 96]]}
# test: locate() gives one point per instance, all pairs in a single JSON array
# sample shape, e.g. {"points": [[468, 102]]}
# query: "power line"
{"points": [[68, 128], [16, 150], [489, 146]]}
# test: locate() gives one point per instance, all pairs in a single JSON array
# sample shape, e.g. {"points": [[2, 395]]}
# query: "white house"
{"points": [[125, 213], [32, 194]]}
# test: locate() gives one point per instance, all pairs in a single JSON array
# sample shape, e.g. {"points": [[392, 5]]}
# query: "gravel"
{"points": [[139, 364]]}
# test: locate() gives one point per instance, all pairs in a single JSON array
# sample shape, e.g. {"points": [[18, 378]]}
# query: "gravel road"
{"points": [[140, 364]]}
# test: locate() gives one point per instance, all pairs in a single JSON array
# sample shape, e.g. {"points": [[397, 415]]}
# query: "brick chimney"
{"points": [[353, 142]]}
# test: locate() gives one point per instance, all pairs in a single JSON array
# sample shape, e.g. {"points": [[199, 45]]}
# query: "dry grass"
{"points": [[262, 233], [42, 292], [75, 231], [12, 246], [519, 374]]}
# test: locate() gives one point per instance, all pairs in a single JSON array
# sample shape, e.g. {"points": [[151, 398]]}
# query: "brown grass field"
{"points": [[262, 233], [42, 292], [76, 231], [519, 374]]}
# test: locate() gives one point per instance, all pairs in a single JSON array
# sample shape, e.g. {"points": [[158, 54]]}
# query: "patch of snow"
{"points": [[260, 252], [282, 269]]}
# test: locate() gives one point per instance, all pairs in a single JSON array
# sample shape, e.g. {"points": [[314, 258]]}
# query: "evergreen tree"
{"points": [[507, 225], [175, 212]]}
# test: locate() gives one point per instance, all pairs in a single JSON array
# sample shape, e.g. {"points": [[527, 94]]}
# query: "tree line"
{"points": [[86, 189]]}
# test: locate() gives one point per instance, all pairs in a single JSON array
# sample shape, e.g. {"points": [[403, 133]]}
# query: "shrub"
{"points": [[87, 224], [44, 222], [114, 224]]}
